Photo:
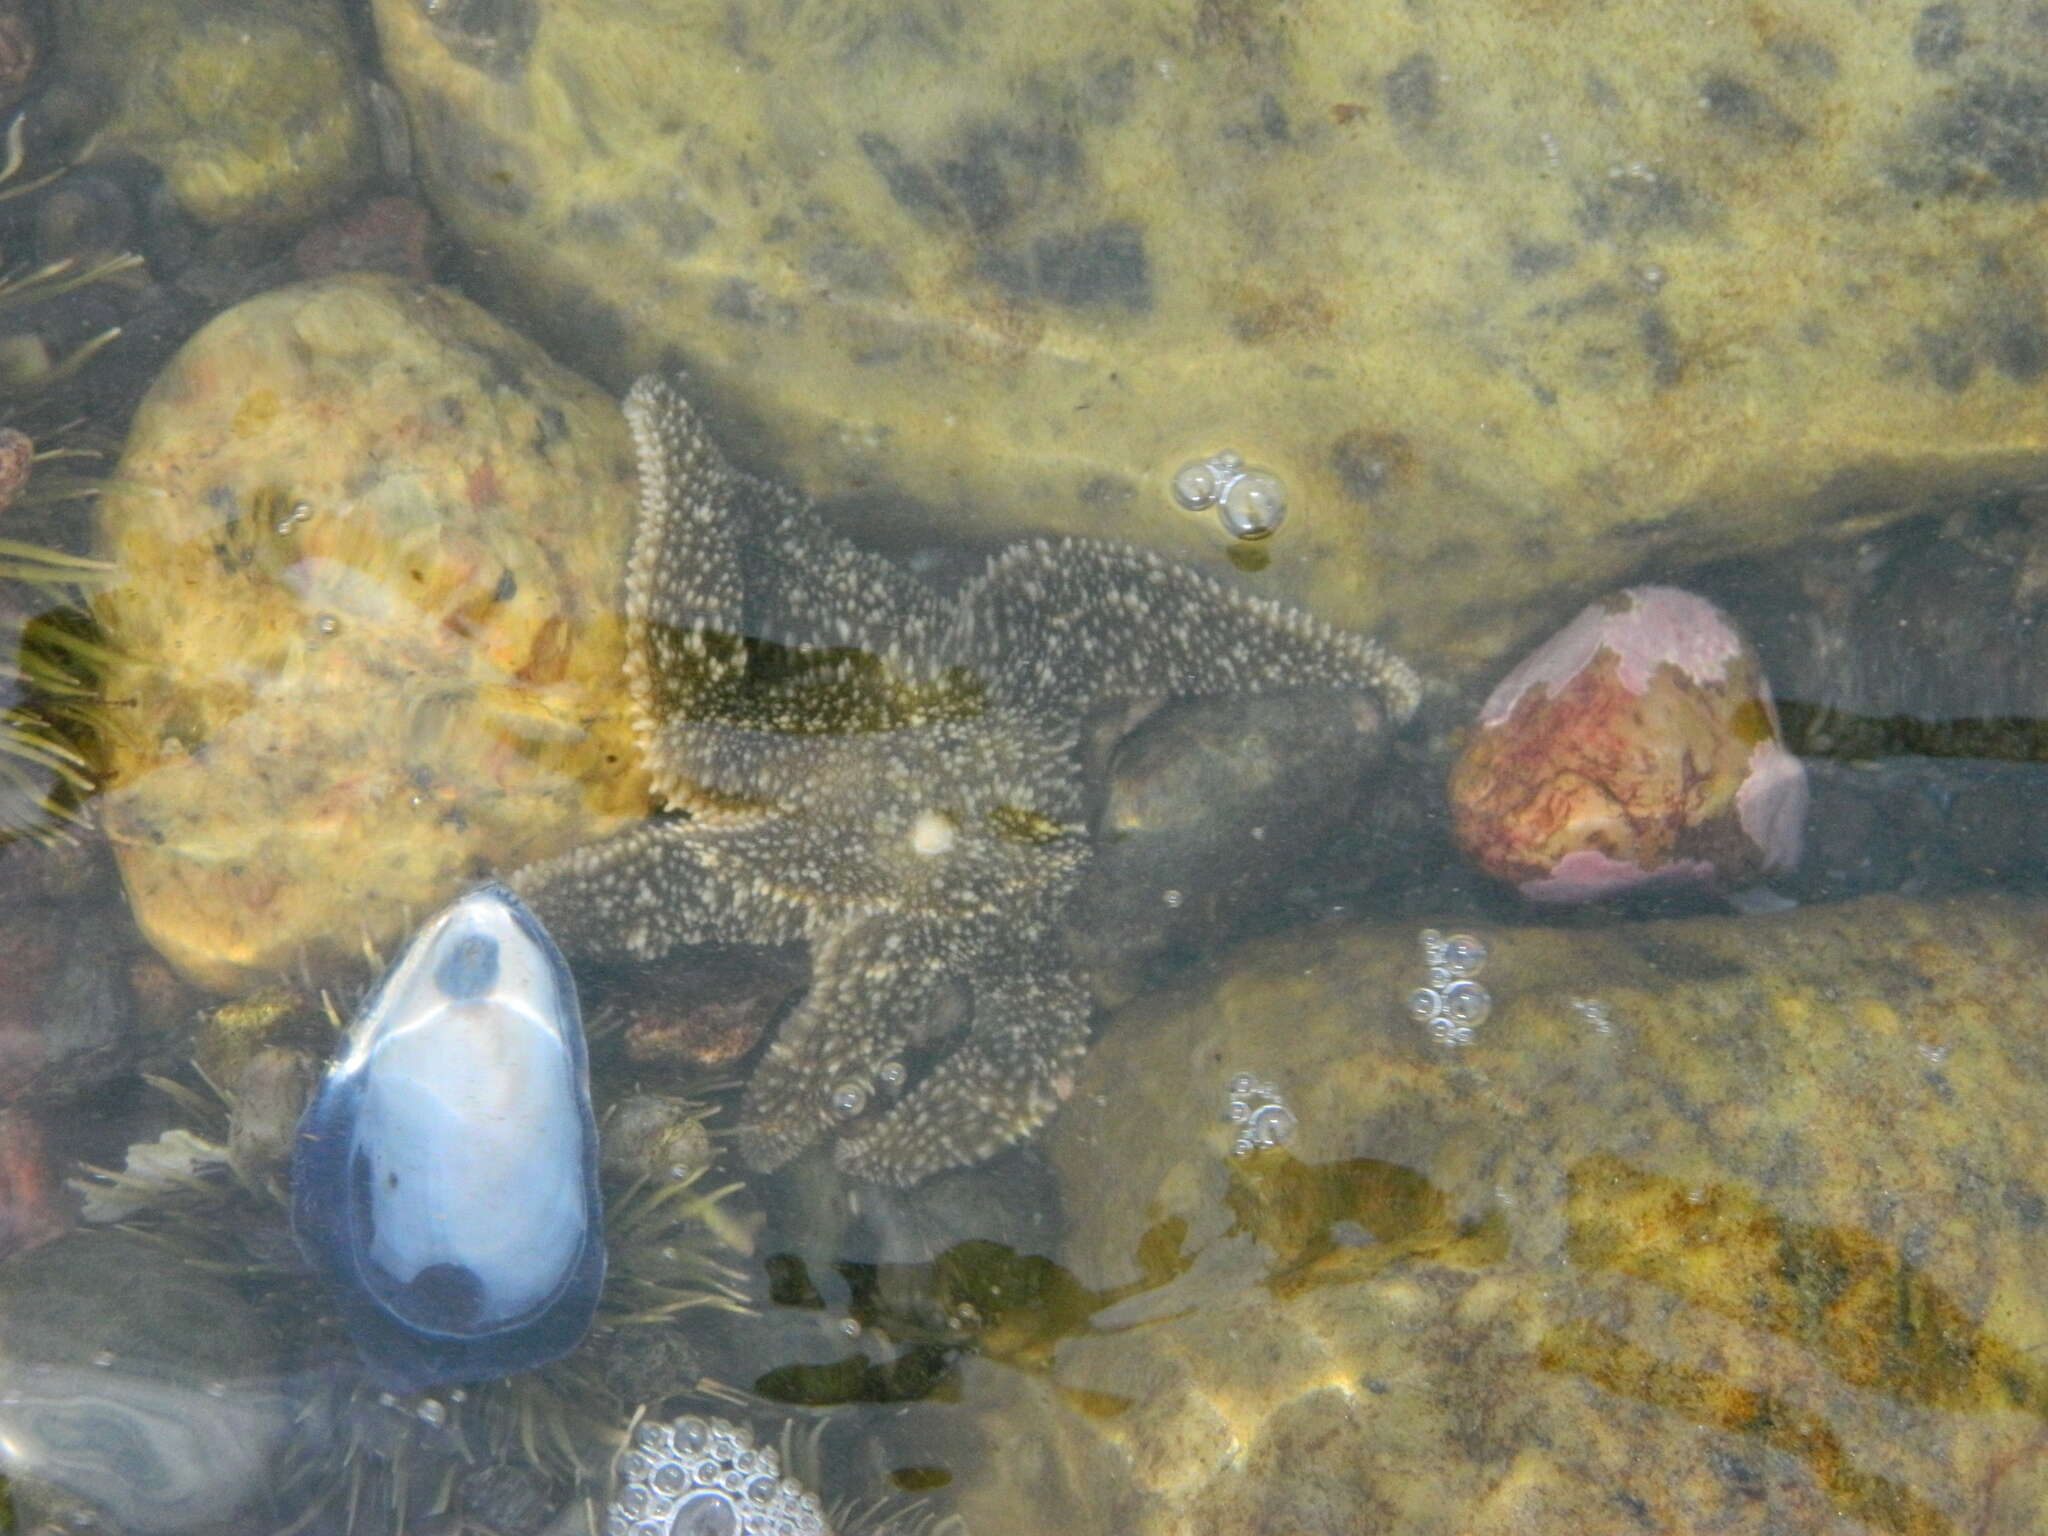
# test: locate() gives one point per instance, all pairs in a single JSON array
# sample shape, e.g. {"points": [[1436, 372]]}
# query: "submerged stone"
{"points": [[255, 114], [363, 650], [1511, 302], [1723, 1223], [133, 1382]]}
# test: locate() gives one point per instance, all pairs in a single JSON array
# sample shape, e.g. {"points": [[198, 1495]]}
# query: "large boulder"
{"points": [[368, 546], [1516, 300], [1718, 1224]]}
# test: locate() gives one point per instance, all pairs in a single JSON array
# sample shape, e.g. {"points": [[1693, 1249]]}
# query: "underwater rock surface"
{"points": [[134, 1383], [254, 113], [1206, 809], [1727, 1224], [444, 1181], [68, 1007], [372, 544], [1511, 300]]}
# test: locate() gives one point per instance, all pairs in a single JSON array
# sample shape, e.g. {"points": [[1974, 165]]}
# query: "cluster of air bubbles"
{"points": [[1452, 1004], [852, 1096], [1250, 502], [1261, 1116], [706, 1477], [1594, 1012]]}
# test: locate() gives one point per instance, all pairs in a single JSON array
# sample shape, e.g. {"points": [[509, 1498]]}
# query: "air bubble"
{"points": [[1467, 1003], [1250, 502], [849, 1099], [1463, 954], [1194, 485], [1424, 1004], [1253, 506], [706, 1513], [1271, 1125], [892, 1075], [1262, 1118]]}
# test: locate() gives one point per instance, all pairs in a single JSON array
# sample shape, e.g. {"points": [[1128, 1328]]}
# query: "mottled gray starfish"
{"points": [[851, 760]]}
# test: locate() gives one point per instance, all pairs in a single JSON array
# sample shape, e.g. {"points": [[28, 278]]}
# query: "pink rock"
{"points": [[1637, 746]]}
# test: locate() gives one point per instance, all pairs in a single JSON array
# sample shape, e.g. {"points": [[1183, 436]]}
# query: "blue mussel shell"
{"points": [[444, 1181]]}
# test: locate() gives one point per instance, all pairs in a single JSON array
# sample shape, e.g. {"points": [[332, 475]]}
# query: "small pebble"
{"points": [[17, 456]]}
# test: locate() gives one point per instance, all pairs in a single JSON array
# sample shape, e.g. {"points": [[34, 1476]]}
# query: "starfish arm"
{"points": [[1059, 627], [684, 592], [646, 890], [809, 588], [877, 985], [1008, 1075], [726, 568], [865, 782]]}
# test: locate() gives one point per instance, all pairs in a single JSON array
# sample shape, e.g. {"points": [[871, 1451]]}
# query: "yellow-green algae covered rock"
{"points": [[1514, 298], [1752, 1243], [370, 543], [254, 112]]}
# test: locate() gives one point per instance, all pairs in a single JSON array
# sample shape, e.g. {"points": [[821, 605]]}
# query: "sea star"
{"points": [[848, 758]]}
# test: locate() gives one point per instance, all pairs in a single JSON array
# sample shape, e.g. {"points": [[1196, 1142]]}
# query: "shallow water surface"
{"points": [[1058, 1065]]}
